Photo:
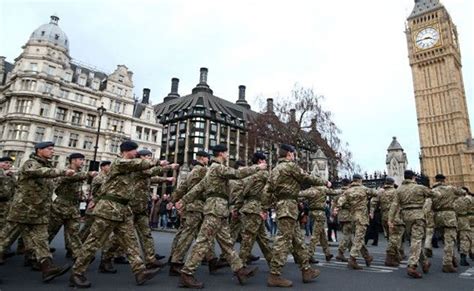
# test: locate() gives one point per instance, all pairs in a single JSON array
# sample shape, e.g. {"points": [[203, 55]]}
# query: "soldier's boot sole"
{"points": [[146, 275], [277, 281], [188, 281], [245, 273], [352, 264], [412, 272], [48, 277], [340, 257], [310, 274], [81, 285], [449, 269]]}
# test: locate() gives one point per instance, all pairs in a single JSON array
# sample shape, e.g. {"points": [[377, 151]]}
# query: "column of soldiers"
{"points": [[207, 204]]}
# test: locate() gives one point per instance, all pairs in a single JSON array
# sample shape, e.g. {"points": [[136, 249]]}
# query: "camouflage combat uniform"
{"points": [[316, 198], [462, 206], [445, 217], [250, 205], [236, 188], [471, 224], [356, 199], [284, 184], [410, 198], [113, 214], [7, 190], [347, 226], [191, 218], [97, 182], [215, 186], [65, 210], [30, 207], [430, 225]]}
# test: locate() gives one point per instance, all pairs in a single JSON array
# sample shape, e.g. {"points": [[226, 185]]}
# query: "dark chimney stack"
{"points": [[292, 115], [203, 76], [241, 101], [174, 86], [269, 105], [313, 124], [202, 86], [146, 96]]}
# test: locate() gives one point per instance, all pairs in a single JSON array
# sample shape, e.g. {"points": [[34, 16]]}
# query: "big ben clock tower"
{"points": [[443, 121]]}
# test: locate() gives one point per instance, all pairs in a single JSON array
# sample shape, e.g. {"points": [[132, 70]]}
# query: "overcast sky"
{"points": [[352, 52]]}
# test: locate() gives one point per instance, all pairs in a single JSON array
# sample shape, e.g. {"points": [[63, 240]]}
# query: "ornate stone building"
{"points": [[396, 161], [435, 58], [46, 95]]}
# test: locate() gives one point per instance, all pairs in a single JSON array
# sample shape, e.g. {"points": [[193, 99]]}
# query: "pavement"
{"points": [[334, 275]]}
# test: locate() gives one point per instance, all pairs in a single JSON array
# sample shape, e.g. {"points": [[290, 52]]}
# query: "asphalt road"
{"points": [[334, 275]]}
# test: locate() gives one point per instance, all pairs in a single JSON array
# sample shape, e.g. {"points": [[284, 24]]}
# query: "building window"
{"points": [[146, 134], [138, 133], [39, 134], [90, 121], [28, 85], [76, 117], [88, 142], [61, 113], [148, 115], [115, 106], [44, 109], [154, 135], [48, 88], [34, 67], [58, 137], [64, 94], [82, 81], [182, 126], [198, 140], [23, 105], [114, 145], [50, 70], [79, 97], [55, 160], [92, 101], [213, 127], [73, 139], [19, 131], [17, 156]]}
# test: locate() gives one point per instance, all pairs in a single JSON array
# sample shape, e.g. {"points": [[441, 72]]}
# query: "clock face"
{"points": [[427, 38]]}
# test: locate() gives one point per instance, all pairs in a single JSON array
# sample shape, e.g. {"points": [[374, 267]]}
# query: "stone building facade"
{"points": [[443, 121], [396, 161], [46, 95]]}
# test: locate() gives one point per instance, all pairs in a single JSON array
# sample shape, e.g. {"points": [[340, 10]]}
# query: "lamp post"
{"points": [[94, 165]]}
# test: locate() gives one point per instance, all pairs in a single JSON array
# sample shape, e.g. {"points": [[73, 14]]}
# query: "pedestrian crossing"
{"points": [[467, 274]]}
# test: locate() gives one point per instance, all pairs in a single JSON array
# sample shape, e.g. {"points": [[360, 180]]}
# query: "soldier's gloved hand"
{"points": [[329, 184], [10, 172], [179, 205], [69, 172], [174, 166], [164, 163], [264, 215], [93, 174], [170, 179], [262, 166], [91, 205], [154, 197], [371, 215]]}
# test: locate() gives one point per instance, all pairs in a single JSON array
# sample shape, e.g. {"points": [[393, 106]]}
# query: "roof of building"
{"points": [[50, 32], [8, 68], [424, 6], [394, 145]]}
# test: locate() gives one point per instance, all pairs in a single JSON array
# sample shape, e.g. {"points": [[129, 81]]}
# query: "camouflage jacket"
{"points": [[96, 185], [236, 188], [409, 200], [251, 199], [344, 214], [284, 184], [429, 214], [32, 201], [215, 187], [356, 198], [316, 198], [443, 201], [383, 200], [7, 186], [143, 181], [471, 213], [119, 188], [462, 206], [69, 194], [194, 177]]}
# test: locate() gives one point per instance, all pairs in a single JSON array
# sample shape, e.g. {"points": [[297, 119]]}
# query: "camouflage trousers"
{"points": [[450, 235], [428, 244], [142, 226], [319, 236], [253, 229], [86, 228], [394, 246], [100, 233], [416, 232], [212, 228], [71, 231], [235, 228], [191, 222], [289, 236], [34, 235], [358, 244], [465, 241], [4, 206], [346, 242]]}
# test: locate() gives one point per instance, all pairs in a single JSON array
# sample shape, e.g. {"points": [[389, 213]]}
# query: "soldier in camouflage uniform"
{"points": [[471, 225], [462, 206], [383, 200], [65, 209], [29, 210], [191, 219], [113, 214], [345, 220], [445, 218], [7, 190], [215, 187], [284, 185], [316, 198], [356, 199], [409, 200], [235, 187], [430, 227], [253, 210]]}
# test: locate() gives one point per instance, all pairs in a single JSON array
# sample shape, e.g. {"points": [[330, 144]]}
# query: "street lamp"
{"points": [[94, 166]]}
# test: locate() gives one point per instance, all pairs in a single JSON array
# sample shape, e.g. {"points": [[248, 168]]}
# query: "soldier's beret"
{"points": [[239, 163], [440, 177], [128, 145], [259, 156], [76, 156], [357, 177], [288, 148], [408, 174], [44, 144], [202, 154], [6, 159], [345, 181], [389, 180], [144, 153], [219, 148], [105, 163]]}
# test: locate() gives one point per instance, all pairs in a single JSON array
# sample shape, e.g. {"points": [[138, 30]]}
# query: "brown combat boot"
{"points": [[455, 262], [412, 272], [107, 267], [390, 261], [175, 269], [244, 273], [146, 275], [51, 271], [329, 257], [309, 274], [155, 264], [368, 260], [340, 257], [352, 264], [426, 266], [449, 269], [215, 264], [79, 281], [188, 281], [277, 281]]}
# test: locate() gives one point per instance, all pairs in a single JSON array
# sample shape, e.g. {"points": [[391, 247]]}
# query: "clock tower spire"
{"points": [[443, 121]]}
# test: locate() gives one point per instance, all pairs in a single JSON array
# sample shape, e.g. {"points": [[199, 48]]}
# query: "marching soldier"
{"points": [[356, 198], [215, 224], [344, 218], [284, 184], [409, 200], [30, 207], [462, 206], [7, 190]]}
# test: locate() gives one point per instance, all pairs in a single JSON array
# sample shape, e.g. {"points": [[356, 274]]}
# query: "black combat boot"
{"points": [[175, 269]]}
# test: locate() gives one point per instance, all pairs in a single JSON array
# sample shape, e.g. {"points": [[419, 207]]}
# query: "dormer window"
{"points": [[56, 36], [42, 33]]}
